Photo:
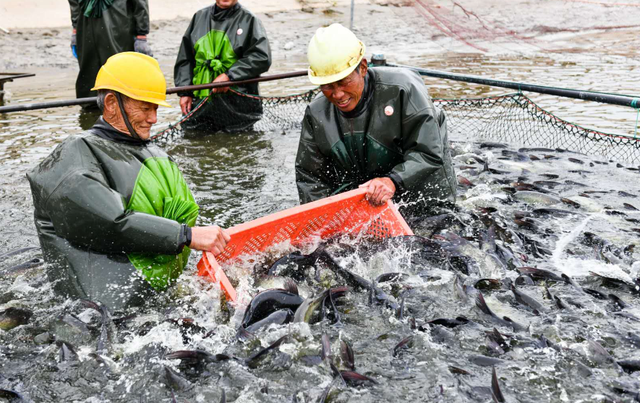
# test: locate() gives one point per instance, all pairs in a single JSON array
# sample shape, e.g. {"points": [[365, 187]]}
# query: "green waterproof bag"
{"points": [[160, 190], [214, 55]]}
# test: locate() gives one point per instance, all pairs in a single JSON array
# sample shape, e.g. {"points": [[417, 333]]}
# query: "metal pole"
{"points": [[188, 88], [352, 10], [614, 99]]}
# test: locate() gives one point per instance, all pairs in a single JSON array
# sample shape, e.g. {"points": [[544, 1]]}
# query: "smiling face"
{"points": [[346, 93], [142, 115], [226, 3]]}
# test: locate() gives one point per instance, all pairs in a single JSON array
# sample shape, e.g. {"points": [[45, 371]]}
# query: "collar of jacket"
{"points": [[221, 14], [365, 100], [106, 131]]}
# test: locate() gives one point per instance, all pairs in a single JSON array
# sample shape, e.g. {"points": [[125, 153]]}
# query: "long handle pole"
{"points": [[188, 88], [615, 99]]}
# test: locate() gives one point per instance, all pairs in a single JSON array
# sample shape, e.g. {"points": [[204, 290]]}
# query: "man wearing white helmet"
{"points": [[374, 127]]}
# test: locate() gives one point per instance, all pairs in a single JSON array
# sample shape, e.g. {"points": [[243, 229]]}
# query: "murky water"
{"points": [[242, 177]]}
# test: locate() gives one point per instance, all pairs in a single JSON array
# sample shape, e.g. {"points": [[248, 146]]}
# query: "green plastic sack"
{"points": [[214, 56], [160, 190]]}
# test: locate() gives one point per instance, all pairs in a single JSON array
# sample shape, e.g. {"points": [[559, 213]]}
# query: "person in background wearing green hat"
{"points": [[371, 127], [224, 42], [102, 28], [114, 216]]}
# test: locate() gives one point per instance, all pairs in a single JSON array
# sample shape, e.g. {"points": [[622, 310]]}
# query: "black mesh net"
{"points": [[511, 118]]}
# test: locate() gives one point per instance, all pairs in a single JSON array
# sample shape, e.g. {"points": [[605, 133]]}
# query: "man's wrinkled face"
{"points": [[142, 115], [226, 3], [346, 93]]}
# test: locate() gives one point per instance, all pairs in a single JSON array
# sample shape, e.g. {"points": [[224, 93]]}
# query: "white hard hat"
{"points": [[334, 52]]}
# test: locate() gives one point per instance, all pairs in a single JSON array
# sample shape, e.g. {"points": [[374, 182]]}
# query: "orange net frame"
{"points": [[346, 213]]}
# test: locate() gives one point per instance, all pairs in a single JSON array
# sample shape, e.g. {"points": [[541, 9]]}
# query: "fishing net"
{"points": [[510, 118]]}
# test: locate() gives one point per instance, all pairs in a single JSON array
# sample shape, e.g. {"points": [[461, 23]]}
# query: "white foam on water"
{"points": [[575, 267]]}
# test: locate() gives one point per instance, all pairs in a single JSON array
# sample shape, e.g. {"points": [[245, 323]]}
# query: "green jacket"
{"points": [[100, 38], [111, 214], [399, 133], [217, 41]]}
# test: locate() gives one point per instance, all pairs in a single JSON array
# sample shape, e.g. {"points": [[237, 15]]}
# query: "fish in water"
{"points": [[536, 198], [405, 343], [539, 274], [279, 317], [107, 328], [308, 308], [504, 321], [268, 302], [346, 353], [13, 317], [529, 301], [495, 388]]}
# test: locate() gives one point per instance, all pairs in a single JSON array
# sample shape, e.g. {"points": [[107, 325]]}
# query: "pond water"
{"points": [[566, 353]]}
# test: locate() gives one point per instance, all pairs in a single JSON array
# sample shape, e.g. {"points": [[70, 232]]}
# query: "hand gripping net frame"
{"points": [[346, 213]]}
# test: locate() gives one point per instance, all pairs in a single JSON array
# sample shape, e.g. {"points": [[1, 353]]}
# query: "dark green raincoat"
{"points": [[231, 41], [398, 134], [100, 38], [111, 214]]}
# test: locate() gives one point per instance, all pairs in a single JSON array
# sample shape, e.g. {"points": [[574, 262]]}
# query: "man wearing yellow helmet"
{"points": [[114, 215], [373, 127]]}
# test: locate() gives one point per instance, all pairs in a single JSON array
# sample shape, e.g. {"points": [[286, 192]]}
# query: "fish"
{"points": [[630, 206], [106, 325], [199, 358], [462, 181], [175, 381], [326, 347], [353, 378], [278, 317], [495, 388], [504, 321], [626, 194], [11, 395], [528, 301], [492, 145], [554, 212], [23, 267], [405, 343], [539, 274], [532, 197], [346, 353], [19, 251], [307, 309], [293, 265], [629, 366], [484, 361], [67, 352], [458, 371], [12, 317], [267, 302], [450, 323]]}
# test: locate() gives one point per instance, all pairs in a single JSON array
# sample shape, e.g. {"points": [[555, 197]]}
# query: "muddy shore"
{"points": [[406, 31]]}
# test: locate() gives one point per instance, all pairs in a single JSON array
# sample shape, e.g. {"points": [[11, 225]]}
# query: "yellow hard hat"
{"points": [[334, 52], [135, 75]]}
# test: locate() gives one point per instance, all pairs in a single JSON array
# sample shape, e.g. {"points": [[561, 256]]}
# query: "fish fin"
{"points": [[348, 357], [291, 286], [482, 304], [498, 397], [259, 354]]}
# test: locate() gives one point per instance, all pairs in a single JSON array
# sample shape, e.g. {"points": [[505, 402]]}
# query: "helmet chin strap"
{"points": [[125, 117]]}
